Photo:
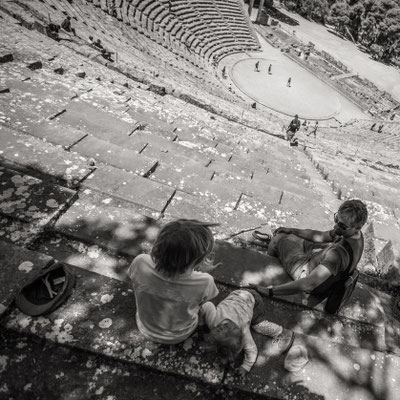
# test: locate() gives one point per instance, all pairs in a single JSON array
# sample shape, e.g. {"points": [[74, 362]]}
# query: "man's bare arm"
{"points": [[319, 275], [307, 234]]}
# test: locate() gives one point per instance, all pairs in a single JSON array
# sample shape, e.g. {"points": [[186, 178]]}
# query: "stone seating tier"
{"points": [[106, 326]]}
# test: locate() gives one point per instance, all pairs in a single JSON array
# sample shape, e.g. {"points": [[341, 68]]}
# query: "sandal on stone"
{"points": [[264, 237], [260, 243]]}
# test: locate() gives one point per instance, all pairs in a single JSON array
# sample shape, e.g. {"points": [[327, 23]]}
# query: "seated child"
{"points": [[230, 322], [168, 291]]}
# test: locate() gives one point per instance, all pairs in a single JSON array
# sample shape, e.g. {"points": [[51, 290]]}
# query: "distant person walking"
{"points": [[293, 127], [314, 130], [270, 69], [289, 82], [256, 69]]}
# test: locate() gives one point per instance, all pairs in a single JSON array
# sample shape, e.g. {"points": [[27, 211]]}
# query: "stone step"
{"points": [[36, 156], [32, 200], [84, 116], [104, 325], [130, 187], [109, 222], [115, 155], [62, 370]]}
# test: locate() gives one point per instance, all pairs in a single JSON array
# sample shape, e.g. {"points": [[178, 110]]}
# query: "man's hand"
{"points": [[261, 289], [241, 372], [282, 229]]}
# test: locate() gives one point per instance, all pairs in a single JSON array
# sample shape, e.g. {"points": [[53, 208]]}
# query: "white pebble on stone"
{"points": [[51, 203], [26, 266], [105, 323], [106, 298]]}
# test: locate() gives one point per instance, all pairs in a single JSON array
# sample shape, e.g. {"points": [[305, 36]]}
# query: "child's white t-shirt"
{"points": [[167, 309]]}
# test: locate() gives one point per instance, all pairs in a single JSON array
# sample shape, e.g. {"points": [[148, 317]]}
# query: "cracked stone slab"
{"points": [[110, 223], [241, 267], [55, 133], [186, 177], [86, 117], [204, 207], [18, 266], [130, 187], [100, 317], [30, 199], [334, 372], [34, 154], [116, 156]]}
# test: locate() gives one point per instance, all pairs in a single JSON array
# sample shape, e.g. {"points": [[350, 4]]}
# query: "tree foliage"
{"points": [[373, 23]]}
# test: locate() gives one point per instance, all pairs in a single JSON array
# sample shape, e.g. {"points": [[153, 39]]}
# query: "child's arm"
{"points": [[211, 290], [207, 314], [250, 350]]}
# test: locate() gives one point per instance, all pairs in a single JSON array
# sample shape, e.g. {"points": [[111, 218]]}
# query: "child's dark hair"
{"points": [[181, 244]]}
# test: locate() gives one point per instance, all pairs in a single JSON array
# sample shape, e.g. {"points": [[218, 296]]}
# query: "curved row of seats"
{"points": [[194, 27]]}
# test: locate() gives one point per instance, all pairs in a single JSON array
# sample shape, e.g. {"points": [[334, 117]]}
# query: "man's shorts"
{"points": [[291, 251]]}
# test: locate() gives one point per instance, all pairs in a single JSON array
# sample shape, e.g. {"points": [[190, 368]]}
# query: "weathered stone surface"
{"points": [[54, 132], [30, 199], [100, 317], [334, 372], [18, 266], [18, 232], [54, 371], [188, 176], [114, 155], [110, 223], [206, 207], [34, 154], [130, 187], [83, 116]]}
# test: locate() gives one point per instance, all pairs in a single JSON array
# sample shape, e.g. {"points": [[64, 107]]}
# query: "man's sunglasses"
{"points": [[341, 225]]}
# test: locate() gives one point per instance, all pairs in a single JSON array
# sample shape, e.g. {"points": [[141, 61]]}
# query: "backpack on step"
{"points": [[342, 290]]}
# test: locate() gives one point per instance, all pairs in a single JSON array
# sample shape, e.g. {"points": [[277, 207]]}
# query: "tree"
{"points": [[357, 11], [314, 9], [339, 16]]}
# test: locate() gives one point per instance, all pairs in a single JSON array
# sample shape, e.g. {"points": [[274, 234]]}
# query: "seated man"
{"points": [[293, 127], [66, 25], [316, 260]]}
